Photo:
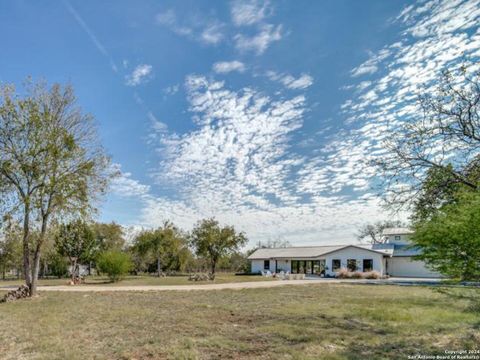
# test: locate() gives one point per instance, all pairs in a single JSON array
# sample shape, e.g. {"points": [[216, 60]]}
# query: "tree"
{"points": [[109, 236], [273, 244], [450, 239], [212, 241], [50, 163], [76, 241], [10, 248], [166, 246], [373, 233], [444, 140], [115, 264]]}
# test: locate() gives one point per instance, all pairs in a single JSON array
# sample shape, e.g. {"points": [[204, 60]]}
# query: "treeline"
{"points": [[101, 248]]}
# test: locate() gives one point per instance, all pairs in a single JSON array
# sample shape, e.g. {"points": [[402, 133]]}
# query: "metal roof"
{"points": [[397, 231], [308, 251]]}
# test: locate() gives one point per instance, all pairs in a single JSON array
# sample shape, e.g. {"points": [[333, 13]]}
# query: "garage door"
{"points": [[406, 267]]}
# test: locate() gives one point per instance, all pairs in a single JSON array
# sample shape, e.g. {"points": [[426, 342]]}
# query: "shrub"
{"points": [[343, 273], [356, 275], [115, 264], [372, 275]]}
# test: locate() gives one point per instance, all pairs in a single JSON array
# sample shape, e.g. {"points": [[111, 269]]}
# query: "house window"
{"points": [[336, 264], [266, 265], [397, 237], [352, 264], [367, 265]]}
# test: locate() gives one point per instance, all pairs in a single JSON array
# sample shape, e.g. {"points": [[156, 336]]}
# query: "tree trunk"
{"points": [[159, 267], [35, 271], [214, 265], [36, 257], [26, 248]]}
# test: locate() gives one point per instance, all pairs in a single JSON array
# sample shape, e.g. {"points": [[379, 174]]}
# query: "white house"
{"points": [[394, 258]]}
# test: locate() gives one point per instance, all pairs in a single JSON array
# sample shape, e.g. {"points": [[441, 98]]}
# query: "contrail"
{"points": [[90, 34]]}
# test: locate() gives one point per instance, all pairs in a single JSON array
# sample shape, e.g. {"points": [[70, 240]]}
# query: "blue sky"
{"points": [[260, 113]]}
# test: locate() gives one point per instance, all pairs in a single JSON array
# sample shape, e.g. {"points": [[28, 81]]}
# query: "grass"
{"points": [[144, 280], [328, 321]]}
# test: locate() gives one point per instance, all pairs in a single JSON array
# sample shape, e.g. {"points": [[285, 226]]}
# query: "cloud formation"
{"points": [[141, 74], [249, 12], [240, 164], [259, 42], [302, 82], [224, 67]]}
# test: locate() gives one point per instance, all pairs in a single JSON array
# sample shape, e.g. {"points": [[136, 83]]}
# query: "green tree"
{"points": [[76, 241], [450, 239], [51, 163], [10, 248], [109, 236], [166, 245], [115, 264], [212, 241]]}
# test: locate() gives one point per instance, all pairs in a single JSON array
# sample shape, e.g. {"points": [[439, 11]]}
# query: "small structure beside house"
{"points": [[394, 257]]}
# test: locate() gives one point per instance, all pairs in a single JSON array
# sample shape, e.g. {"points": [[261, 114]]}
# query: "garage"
{"points": [[405, 266]]}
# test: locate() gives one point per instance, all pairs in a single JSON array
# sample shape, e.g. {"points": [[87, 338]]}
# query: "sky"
{"points": [[262, 114]]}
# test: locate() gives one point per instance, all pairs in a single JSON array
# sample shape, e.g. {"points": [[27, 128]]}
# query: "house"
{"points": [[394, 257]]}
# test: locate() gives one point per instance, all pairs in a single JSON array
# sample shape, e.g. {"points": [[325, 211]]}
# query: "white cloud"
{"points": [[124, 185], [205, 31], [261, 41], [249, 12], [212, 33], [224, 67], [302, 82], [438, 35], [141, 74]]}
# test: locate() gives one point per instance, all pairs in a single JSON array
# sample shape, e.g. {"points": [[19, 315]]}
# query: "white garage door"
{"points": [[406, 267]]}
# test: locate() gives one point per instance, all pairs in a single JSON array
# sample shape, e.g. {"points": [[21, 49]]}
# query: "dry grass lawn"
{"points": [[327, 321]]}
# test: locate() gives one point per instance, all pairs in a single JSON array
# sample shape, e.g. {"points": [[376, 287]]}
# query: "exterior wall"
{"points": [[257, 265], [357, 254], [407, 267], [404, 239]]}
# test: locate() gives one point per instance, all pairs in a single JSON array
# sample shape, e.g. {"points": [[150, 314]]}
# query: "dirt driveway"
{"points": [[234, 286]]}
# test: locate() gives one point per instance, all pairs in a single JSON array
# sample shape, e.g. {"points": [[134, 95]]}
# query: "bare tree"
{"points": [[373, 233], [445, 136], [51, 163]]}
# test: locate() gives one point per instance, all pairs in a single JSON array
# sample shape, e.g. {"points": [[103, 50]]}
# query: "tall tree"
{"points": [[450, 238], [109, 236], [51, 162], [444, 139], [166, 245], [76, 241], [373, 233], [212, 241]]}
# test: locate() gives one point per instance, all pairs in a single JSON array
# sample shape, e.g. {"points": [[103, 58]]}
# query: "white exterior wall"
{"points": [[359, 255], [257, 265], [407, 267]]}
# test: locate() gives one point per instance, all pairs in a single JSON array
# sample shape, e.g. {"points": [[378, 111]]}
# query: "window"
{"points": [[336, 264], [397, 237], [352, 264], [266, 265], [367, 265]]}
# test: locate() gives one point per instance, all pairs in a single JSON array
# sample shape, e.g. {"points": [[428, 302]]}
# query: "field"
{"points": [[328, 321], [220, 278]]}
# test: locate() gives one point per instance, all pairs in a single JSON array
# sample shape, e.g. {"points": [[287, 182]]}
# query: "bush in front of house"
{"points": [[347, 274], [115, 264]]}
